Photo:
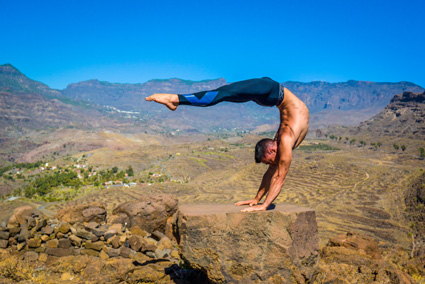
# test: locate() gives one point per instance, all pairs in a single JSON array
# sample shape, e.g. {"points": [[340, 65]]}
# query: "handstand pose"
{"points": [[277, 152]]}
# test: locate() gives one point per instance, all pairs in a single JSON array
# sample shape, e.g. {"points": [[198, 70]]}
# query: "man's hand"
{"points": [[250, 202], [255, 208]]}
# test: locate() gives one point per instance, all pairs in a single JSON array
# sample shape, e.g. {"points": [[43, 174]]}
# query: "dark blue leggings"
{"points": [[264, 91]]}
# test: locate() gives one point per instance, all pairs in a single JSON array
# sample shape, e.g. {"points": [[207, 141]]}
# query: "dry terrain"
{"points": [[352, 189]]}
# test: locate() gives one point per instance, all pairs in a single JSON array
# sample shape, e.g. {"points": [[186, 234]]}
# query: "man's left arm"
{"points": [[278, 178]]}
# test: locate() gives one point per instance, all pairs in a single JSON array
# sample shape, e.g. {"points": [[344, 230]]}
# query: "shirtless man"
{"points": [[277, 152]]}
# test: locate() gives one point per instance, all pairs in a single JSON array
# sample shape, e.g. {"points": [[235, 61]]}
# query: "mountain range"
{"points": [[28, 104]]}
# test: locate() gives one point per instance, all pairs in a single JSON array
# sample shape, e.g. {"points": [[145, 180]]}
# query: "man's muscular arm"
{"points": [[264, 188], [278, 178]]}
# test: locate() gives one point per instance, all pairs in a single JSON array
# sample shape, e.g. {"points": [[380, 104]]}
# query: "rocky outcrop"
{"points": [[403, 117], [150, 212], [279, 246], [354, 258], [23, 215], [82, 213]]}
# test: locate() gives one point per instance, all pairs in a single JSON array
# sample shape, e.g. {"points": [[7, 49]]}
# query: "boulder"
{"points": [[59, 252], [30, 256], [4, 235], [4, 243], [75, 241], [112, 252], [93, 212], [279, 245], [22, 214], [52, 243], [136, 242], [24, 235], [363, 244], [354, 258], [64, 243], [64, 227], [150, 212], [34, 243], [48, 230], [84, 234], [97, 246]]}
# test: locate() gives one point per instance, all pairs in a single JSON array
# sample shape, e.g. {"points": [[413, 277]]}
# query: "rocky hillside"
{"points": [[130, 96], [27, 105], [350, 95], [415, 214], [403, 117], [354, 101], [12, 80], [346, 103]]}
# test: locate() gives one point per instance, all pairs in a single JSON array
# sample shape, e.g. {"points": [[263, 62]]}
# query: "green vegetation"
{"points": [[27, 166], [396, 147], [422, 152], [403, 147], [317, 147], [44, 184], [130, 171]]}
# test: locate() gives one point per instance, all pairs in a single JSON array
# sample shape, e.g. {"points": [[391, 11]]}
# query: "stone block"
{"points": [[64, 243], [59, 252], [43, 257], [238, 247], [150, 212], [112, 252], [4, 235], [34, 243], [20, 246], [48, 230], [64, 227], [30, 256], [94, 246], [52, 243], [91, 252], [75, 241], [4, 243]]}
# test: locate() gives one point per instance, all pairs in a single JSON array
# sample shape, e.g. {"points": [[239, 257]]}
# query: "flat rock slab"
{"points": [[279, 245], [214, 209]]}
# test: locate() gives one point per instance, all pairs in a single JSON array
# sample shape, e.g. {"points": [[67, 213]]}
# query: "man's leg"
{"points": [[264, 91]]}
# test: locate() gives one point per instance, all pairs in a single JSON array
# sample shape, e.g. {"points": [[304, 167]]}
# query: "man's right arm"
{"points": [[264, 188]]}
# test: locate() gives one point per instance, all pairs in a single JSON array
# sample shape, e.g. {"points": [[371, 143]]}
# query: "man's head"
{"points": [[265, 151]]}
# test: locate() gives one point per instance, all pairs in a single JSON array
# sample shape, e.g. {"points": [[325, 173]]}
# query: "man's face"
{"points": [[269, 156]]}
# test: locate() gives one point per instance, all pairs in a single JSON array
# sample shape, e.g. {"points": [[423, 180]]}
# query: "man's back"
{"points": [[294, 115]]}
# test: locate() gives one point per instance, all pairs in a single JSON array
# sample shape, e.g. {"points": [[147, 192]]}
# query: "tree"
{"points": [[396, 147], [422, 152], [403, 147], [130, 171], [352, 141], [115, 170], [379, 144]]}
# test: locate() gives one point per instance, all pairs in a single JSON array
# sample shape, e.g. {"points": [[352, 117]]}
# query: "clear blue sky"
{"points": [[61, 42]]}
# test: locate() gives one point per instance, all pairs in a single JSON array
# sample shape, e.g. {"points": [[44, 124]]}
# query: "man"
{"points": [[277, 152]]}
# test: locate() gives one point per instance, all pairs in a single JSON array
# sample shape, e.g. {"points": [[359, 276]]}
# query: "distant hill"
{"points": [[12, 80], [403, 117], [27, 105], [130, 96], [346, 103]]}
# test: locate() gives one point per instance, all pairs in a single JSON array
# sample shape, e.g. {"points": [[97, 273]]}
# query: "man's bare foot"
{"points": [[169, 100]]}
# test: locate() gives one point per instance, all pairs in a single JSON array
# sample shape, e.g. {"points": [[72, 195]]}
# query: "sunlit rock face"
{"points": [[280, 245]]}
